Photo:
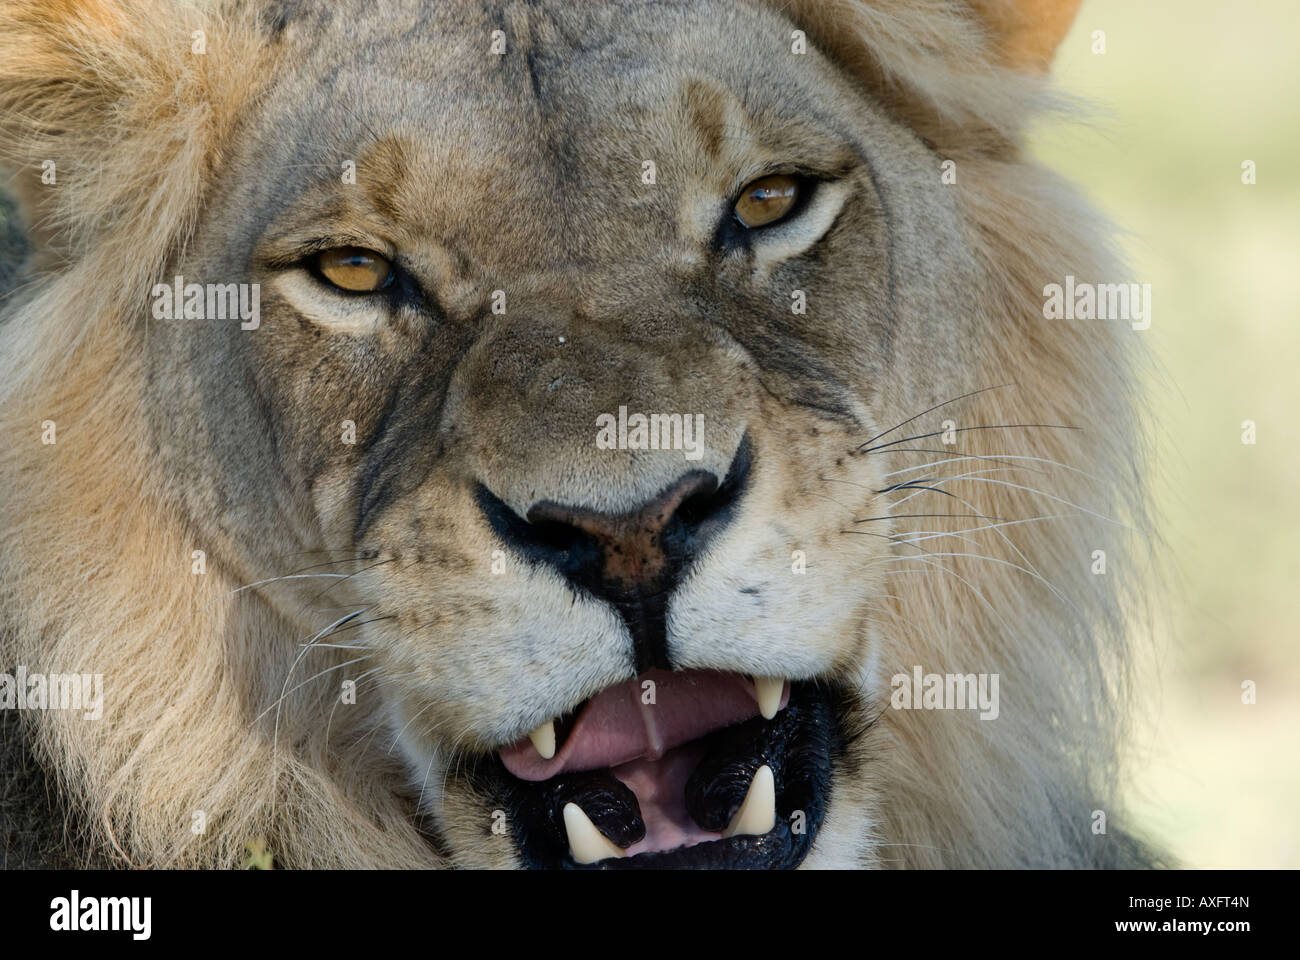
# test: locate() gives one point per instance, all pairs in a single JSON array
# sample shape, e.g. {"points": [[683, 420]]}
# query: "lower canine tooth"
{"points": [[769, 690], [544, 739], [586, 843], [757, 815]]}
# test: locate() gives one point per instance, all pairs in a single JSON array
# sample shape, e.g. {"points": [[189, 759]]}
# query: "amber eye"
{"points": [[354, 269], [766, 200]]}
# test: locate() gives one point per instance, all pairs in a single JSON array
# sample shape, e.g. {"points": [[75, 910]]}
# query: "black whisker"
{"points": [[350, 576], [331, 563], [991, 426], [960, 453], [932, 409], [351, 624], [908, 486], [917, 516], [918, 484]]}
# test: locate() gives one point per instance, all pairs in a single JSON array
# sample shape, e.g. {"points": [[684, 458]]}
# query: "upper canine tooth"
{"points": [[769, 690], [586, 843], [757, 815], [544, 739]]}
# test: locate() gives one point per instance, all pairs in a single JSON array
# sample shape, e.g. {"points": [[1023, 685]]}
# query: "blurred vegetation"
{"points": [[1186, 91]]}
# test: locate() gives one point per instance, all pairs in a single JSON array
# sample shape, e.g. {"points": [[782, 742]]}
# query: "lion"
{"points": [[561, 435]]}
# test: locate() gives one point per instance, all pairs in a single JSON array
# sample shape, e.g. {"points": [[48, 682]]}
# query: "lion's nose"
{"points": [[635, 550], [632, 560]]}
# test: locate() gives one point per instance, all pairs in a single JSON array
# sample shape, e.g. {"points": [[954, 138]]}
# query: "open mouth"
{"points": [[674, 769]]}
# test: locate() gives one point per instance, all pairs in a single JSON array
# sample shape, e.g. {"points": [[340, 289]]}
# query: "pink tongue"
{"points": [[616, 726]]}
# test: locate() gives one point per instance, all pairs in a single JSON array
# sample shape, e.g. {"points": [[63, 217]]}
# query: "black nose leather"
{"points": [[636, 549], [631, 560]]}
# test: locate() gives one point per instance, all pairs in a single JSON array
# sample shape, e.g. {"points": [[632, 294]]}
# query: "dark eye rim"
{"points": [[311, 262]]}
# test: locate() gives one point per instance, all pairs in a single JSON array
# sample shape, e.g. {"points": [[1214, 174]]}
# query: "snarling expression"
{"points": [[576, 322]]}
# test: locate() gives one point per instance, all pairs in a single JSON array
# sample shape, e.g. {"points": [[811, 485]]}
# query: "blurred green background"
{"points": [[1186, 91]]}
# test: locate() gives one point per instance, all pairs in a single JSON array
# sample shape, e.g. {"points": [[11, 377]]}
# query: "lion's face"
{"points": [[475, 271]]}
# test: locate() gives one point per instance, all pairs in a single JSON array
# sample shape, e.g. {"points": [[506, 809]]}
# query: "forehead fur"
{"points": [[99, 65], [451, 139]]}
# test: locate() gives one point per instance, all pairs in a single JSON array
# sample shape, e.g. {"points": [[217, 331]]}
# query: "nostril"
{"points": [[712, 508], [643, 549], [562, 546], [632, 560]]}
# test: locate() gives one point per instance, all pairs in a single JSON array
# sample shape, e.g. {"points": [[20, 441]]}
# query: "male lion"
{"points": [[558, 434]]}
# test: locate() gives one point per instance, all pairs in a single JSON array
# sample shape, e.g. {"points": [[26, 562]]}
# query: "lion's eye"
{"points": [[354, 269], [766, 200]]}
